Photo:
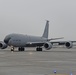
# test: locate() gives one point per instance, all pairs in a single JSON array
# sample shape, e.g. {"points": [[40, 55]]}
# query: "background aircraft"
{"points": [[21, 41]]}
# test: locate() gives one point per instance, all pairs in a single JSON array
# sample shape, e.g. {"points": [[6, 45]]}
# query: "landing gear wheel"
{"points": [[12, 49], [21, 49], [39, 49]]}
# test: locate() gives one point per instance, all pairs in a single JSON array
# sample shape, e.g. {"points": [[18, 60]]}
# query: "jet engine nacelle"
{"points": [[3, 45], [48, 45], [69, 44]]}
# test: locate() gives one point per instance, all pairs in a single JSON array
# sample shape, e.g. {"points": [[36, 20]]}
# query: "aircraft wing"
{"points": [[34, 44], [62, 42], [68, 44], [55, 38]]}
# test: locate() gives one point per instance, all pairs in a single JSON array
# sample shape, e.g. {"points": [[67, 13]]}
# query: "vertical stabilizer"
{"points": [[45, 34]]}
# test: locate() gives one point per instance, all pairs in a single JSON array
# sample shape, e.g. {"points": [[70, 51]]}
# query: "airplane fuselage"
{"points": [[19, 40]]}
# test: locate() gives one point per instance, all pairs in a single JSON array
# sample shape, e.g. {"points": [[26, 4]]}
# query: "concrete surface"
{"points": [[32, 62]]}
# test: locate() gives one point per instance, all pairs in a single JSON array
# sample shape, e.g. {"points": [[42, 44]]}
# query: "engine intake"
{"points": [[69, 44], [3, 45], [48, 45]]}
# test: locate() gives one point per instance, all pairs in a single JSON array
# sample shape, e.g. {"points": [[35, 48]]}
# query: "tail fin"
{"points": [[45, 34]]}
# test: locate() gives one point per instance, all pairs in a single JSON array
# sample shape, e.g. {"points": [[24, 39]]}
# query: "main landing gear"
{"points": [[38, 49], [21, 49]]}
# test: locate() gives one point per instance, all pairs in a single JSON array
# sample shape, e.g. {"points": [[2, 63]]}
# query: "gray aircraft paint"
{"points": [[45, 34], [20, 40]]}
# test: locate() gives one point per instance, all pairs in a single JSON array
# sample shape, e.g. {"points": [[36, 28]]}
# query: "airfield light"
{"points": [[54, 71]]}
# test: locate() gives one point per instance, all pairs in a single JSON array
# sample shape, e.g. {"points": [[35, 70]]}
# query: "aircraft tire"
{"points": [[20, 49], [38, 49], [12, 49]]}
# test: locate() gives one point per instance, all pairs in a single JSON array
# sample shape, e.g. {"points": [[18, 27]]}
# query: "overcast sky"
{"points": [[29, 17]]}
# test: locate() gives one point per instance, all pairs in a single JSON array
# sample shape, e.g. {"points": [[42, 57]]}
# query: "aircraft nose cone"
{"points": [[6, 40]]}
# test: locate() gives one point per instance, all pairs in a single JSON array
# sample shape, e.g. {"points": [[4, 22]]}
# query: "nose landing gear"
{"points": [[12, 48]]}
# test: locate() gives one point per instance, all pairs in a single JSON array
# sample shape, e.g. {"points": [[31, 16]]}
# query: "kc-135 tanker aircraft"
{"points": [[21, 41]]}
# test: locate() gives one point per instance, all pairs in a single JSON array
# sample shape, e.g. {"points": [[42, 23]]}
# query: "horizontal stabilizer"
{"points": [[55, 38]]}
